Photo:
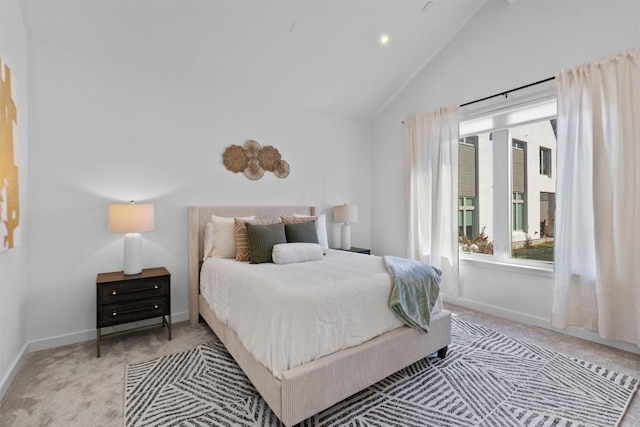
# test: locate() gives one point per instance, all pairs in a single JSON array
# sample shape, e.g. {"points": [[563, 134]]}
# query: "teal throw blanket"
{"points": [[415, 287]]}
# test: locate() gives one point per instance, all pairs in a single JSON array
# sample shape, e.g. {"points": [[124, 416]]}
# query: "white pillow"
{"points": [[208, 240], [287, 253], [321, 228], [224, 240]]}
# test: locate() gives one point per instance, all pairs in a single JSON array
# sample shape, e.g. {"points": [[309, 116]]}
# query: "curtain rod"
{"points": [[507, 92]]}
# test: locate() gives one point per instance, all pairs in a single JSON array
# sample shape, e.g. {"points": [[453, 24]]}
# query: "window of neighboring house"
{"points": [[505, 208], [474, 160], [466, 216], [467, 186], [469, 140], [545, 161], [518, 145], [518, 185], [518, 211]]}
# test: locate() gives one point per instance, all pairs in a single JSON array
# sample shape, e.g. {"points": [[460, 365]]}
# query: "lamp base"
{"points": [[345, 241], [132, 253]]}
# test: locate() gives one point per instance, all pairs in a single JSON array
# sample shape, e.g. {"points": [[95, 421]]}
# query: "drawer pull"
{"points": [[155, 286], [155, 306], [114, 314], [113, 292]]}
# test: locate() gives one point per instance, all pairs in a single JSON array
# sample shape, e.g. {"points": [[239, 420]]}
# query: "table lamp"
{"points": [[131, 219], [347, 214]]}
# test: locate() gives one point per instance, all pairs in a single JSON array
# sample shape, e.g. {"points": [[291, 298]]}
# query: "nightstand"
{"points": [[358, 250], [124, 299]]}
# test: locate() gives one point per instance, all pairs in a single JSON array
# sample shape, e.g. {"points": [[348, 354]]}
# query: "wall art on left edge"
{"points": [[9, 189]]}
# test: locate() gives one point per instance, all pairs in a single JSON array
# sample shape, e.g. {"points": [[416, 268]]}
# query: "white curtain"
{"points": [[431, 162], [597, 261]]}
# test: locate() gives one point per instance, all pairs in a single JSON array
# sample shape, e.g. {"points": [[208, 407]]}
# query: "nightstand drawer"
{"points": [[133, 290], [115, 314]]}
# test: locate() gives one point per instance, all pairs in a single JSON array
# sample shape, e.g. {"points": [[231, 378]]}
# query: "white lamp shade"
{"points": [[345, 213], [131, 217]]}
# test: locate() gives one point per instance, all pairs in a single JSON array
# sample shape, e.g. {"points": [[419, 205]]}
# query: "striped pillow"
{"points": [[243, 253], [298, 220]]}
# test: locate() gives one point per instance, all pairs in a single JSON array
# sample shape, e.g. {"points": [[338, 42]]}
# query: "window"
{"points": [[469, 140], [518, 145], [545, 161], [474, 193], [518, 184], [503, 201], [466, 217], [467, 186], [518, 211]]}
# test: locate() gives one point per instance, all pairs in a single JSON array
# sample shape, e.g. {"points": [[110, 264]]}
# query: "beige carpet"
{"points": [[68, 386]]}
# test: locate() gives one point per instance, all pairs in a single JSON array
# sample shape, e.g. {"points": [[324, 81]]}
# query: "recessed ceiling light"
{"points": [[384, 40]]}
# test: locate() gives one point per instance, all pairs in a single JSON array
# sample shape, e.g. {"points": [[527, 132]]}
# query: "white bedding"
{"points": [[288, 315]]}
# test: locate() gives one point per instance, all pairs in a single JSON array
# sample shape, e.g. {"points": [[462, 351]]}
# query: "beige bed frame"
{"points": [[309, 389]]}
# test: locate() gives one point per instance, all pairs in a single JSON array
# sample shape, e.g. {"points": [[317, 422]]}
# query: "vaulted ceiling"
{"points": [[320, 54]]}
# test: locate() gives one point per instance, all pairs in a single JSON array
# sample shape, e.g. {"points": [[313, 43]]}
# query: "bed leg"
{"points": [[442, 353]]}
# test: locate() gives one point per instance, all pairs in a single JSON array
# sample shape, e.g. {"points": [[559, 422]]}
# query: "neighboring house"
{"points": [[533, 183]]}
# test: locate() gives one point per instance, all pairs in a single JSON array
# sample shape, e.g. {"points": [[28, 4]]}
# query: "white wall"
{"points": [[106, 129], [13, 262], [503, 46]]}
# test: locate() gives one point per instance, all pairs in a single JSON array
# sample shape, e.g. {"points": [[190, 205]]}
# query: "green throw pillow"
{"points": [[301, 232], [262, 238]]}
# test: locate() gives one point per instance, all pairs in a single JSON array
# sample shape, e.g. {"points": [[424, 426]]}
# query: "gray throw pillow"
{"points": [[262, 238], [301, 232]]}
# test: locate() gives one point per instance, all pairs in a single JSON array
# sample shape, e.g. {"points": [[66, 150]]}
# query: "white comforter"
{"points": [[287, 315]]}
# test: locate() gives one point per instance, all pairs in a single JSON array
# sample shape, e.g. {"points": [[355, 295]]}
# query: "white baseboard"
{"points": [[89, 335], [540, 322], [13, 371], [62, 340]]}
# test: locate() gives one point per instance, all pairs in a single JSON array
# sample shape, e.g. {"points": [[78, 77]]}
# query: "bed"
{"points": [[299, 392]]}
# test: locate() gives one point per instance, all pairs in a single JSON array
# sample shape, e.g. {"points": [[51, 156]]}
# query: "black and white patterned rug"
{"points": [[487, 379]]}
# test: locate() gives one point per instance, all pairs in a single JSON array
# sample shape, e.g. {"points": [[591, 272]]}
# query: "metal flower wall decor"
{"points": [[254, 159]]}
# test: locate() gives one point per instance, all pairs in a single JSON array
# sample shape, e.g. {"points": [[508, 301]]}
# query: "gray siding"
{"points": [[467, 171], [518, 178]]}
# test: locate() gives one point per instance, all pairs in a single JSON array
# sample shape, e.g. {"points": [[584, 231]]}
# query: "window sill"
{"points": [[535, 268]]}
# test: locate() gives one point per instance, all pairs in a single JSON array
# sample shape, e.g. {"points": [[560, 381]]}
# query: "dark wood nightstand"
{"points": [[358, 250], [124, 299]]}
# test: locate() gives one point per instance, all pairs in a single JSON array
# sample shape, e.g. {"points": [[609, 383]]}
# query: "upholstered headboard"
{"points": [[199, 216]]}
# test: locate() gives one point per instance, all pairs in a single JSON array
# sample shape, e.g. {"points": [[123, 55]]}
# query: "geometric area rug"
{"points": [[487, 379]]}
